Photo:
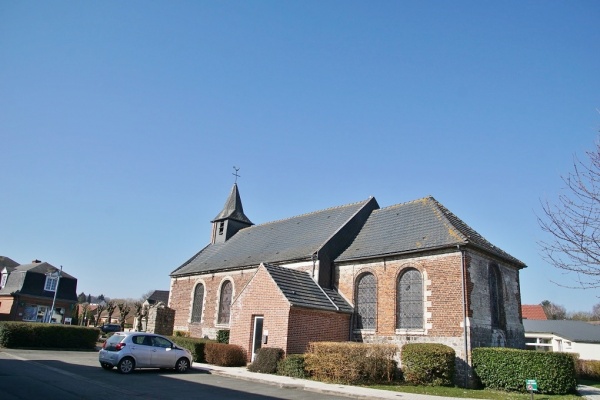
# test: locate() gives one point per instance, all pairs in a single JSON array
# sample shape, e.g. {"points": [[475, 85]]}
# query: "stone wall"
{"points": [[161, 320]]}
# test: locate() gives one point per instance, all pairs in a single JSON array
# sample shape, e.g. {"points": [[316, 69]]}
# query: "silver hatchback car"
{"points": [[130, 350]]}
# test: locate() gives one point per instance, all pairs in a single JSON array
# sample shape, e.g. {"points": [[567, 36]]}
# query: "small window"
{"points": [[3, 280], [221, 227], [51, 282]]}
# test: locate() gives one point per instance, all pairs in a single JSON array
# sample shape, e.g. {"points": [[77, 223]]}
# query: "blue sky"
{"points": [[120, 122]]}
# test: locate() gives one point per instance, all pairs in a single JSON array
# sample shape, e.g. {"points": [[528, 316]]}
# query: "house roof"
{"points": [[418, 225], [158, 296], [292, 239], [533, 311], [576, 331], [29, 279], [233, 208], [302, 291], [7, 263]]}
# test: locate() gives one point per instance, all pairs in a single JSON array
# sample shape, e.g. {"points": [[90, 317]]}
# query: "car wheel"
{"points": [[182, 365], [106, 366], [126, 365]]}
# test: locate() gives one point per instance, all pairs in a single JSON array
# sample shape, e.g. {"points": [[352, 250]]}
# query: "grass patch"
{"points": [[470, 393], [588, 382]]}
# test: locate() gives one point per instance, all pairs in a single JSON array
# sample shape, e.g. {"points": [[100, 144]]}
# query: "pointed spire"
{"points": [[233, 208]]}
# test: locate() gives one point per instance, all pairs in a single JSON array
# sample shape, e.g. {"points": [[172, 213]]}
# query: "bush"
{"points": [[588, 369], [49, 336], [351, 363], [181, 334], [507, 369], [223, 336], [292, 365], [428, 364], [196, 346], [266, 360], [225, 355]]}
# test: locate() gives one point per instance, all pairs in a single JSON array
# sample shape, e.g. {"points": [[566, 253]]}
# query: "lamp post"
{"points": [[55, 292]]}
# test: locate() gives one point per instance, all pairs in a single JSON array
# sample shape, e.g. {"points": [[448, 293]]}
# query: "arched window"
{"points": [[496, 298], [409, 300], [366, 302], [225, 302], [198, 301]]}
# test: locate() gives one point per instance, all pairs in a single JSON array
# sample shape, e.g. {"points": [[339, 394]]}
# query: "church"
{"points": [[407, 273]]}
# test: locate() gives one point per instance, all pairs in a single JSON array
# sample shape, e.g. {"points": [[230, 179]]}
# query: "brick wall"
{"points": [[261, 297], [181, 300], [307, 326]]}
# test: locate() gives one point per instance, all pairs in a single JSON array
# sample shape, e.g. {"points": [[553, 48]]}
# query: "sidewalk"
{"points": [[356, 392], [589, 393]]}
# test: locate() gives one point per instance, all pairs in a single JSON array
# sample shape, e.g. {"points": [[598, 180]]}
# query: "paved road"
{"points": [[69, 375]]}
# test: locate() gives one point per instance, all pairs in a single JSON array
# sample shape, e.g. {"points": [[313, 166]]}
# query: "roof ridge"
{"points": [[422, 199], [312, 213]]}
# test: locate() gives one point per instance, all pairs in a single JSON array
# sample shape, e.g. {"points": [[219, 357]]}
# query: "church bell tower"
{"points": [[231, 219]]}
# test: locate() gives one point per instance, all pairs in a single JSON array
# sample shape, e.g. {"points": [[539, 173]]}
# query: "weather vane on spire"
{"points": [[236, 173]]}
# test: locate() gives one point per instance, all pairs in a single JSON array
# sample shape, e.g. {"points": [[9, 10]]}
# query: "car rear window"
{"points": [[112, 341]]}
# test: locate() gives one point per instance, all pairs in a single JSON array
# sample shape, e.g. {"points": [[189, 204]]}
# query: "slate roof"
{"points": [[16, 279], [157, 296], [8, 263], [233, 208], [302, 291], [575, 331], [418, 225], [292, 239], [535, 311]]}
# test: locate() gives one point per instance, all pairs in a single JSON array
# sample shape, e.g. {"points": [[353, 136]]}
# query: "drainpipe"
{"points": [[314, 260], [464, 304]]}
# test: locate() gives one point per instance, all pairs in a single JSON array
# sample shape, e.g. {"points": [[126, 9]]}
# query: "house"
{"points": [[535, 311], [563, 336], [411, 272], [28, 292]]}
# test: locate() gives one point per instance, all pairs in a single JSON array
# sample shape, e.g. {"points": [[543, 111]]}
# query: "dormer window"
{"points": [[221, 227], [3, 280], [51, 282]]}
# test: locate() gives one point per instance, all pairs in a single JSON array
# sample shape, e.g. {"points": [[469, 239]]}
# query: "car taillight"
{"points": [[104, 345], [119, 346]]}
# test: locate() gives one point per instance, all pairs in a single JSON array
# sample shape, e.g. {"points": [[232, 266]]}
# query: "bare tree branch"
{"points": [[573, 224]]}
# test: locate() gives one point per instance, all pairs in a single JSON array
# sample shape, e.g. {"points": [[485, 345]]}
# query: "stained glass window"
{"points": [[496, 298], [409, 298], [225, 303], [198, 300], [366, 302]]}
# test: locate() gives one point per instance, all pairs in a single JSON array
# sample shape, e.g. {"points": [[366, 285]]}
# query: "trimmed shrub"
{"points": [[225, 355], [350, 362], [588, 369], [266, 360], [292, 365], [508, 369], [48, 336], [223, 336], [428, 364], [196, 346]]}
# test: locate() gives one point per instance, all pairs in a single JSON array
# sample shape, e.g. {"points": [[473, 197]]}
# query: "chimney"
{"points": [[36, 261]]}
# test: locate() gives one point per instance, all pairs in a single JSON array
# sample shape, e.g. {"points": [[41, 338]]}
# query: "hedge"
{"points": [[196, 346], [266, 360], [225, 355], [48, 336], [350, 362], [508, 369], [428, 364]]}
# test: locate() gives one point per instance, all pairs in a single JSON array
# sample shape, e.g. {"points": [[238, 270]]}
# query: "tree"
{"points": [[554, 311], [81, 298], [573, 223], [111, 306], [99, 309], [124, 308]]}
